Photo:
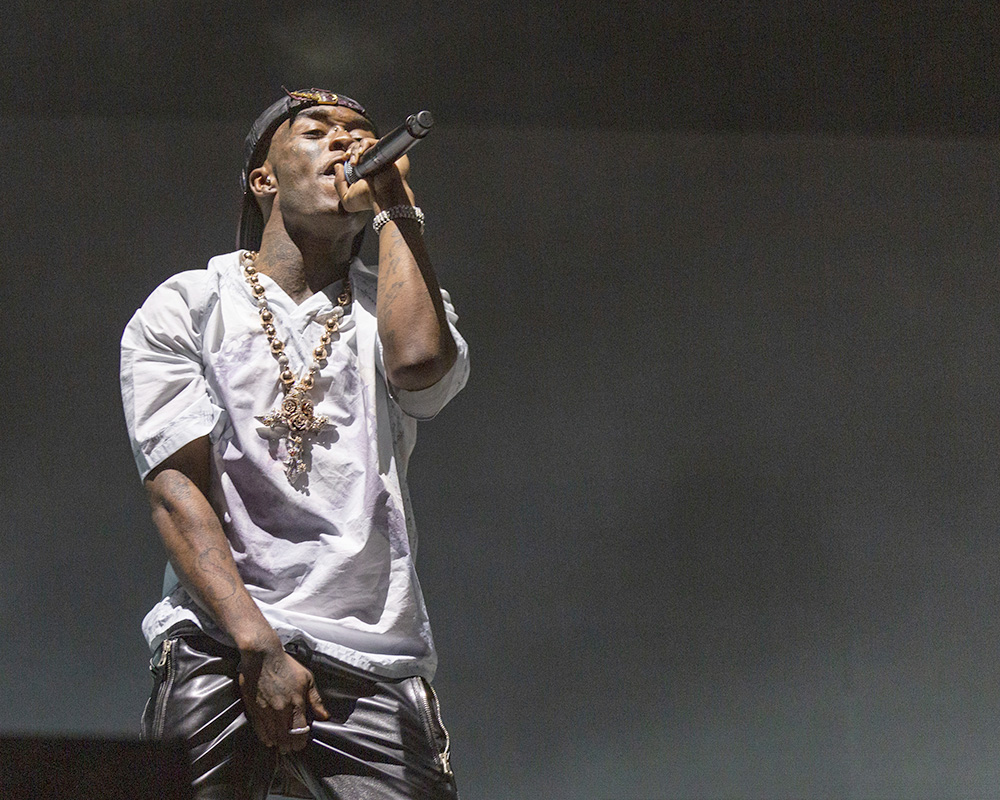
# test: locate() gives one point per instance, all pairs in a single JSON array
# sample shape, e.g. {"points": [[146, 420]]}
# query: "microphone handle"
{"points": [[390, 147]]}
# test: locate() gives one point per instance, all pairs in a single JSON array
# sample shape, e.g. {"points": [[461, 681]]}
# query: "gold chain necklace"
{"points": [[294, 415]]}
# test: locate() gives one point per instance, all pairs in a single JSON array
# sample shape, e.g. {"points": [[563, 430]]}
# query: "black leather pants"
{"points": [[384, 739]]}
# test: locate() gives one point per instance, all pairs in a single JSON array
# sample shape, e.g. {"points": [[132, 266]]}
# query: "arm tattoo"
{"points": [[179, 486], [389, 298], [213, 561]]}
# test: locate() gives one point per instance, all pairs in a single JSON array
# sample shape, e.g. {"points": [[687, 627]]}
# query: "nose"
{"points": [[341, 139]]}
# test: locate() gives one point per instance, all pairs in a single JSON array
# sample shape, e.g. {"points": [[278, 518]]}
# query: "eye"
{"points": [[314, 133]]}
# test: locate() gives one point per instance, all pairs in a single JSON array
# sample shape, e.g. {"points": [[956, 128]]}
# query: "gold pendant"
{"points": [[294, 417]]}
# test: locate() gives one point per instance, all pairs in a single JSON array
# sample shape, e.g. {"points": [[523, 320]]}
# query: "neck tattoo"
{"points": [[294, 416]]}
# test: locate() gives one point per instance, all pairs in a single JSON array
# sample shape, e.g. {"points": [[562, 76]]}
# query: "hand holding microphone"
{"points": [[390, 147]]}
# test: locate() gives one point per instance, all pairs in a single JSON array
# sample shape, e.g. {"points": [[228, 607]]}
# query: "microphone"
{"points": [[390, 147]]}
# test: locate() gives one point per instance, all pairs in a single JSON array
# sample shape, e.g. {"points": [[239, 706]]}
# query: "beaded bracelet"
{"points": [[398, 212]]}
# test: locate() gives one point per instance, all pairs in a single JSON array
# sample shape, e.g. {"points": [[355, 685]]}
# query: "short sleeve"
{"points": [[425, 404], [164, 392]]}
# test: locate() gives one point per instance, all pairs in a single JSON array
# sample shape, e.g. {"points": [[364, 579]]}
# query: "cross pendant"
{"points": [[295, 418]]}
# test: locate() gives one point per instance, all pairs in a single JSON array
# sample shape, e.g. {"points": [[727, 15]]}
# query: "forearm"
{"points": [[417, 345], [199, 552]]}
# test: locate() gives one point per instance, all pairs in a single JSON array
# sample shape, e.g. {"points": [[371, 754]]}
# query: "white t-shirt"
{"points": [[328, 558]]}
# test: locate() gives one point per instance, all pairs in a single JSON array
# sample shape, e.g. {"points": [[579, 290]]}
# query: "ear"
{"points": [[263, 183]]}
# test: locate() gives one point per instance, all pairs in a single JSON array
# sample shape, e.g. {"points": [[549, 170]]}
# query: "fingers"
{"points": [[316, 704], [353, 197], [286, 729], [340, 181], [257, 720], [264, 727], [297, 736], [356, 150], [300, 730], [386, 187], [280, 702], [262, 724]]}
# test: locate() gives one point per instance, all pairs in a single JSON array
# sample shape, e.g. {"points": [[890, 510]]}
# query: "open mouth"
{"points": [[331, 168]]}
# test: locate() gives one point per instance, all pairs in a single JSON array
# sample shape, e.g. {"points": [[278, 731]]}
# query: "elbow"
{"points": [[422, 371], [160, 502]]}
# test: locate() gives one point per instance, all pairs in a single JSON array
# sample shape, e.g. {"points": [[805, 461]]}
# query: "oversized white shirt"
{"points": [[328, 558]]}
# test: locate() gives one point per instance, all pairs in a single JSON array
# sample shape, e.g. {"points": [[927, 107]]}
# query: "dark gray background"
{"points": [[716, 514]]}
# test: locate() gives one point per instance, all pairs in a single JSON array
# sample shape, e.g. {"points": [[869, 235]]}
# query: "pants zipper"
{"points": [[427, 696], [159, 720]]}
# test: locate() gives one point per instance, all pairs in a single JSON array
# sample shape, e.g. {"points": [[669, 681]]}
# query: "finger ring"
{"points": [[297, 731]]}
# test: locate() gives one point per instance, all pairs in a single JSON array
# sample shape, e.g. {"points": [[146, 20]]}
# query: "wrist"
{"points": [[257, 642], [388, 190], [400, 212]]}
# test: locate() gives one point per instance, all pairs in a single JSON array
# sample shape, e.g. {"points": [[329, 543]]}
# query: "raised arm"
{"points": [[278, 692], [417, 346]]}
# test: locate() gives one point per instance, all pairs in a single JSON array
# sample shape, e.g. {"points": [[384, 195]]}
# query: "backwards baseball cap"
{"points": [[251, 226]]}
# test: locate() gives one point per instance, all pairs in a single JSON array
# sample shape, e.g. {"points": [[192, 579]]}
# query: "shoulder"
{"points": [[187, 287], [197, 289], [183, 300]]}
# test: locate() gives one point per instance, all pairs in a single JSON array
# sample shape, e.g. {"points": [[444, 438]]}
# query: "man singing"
{"points": [[272, 402]]}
